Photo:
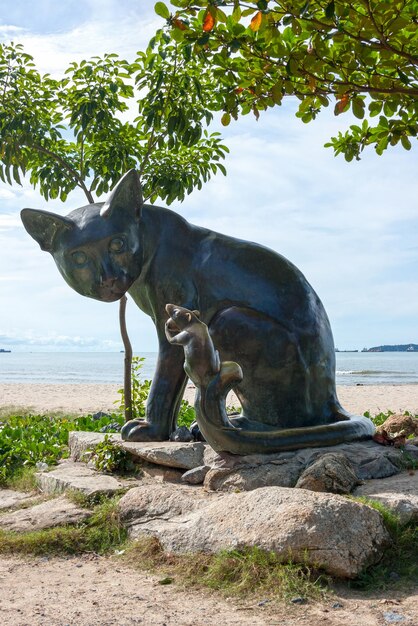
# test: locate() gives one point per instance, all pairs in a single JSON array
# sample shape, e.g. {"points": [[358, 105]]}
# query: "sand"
{"points": [[97, 591], [91, 398]]}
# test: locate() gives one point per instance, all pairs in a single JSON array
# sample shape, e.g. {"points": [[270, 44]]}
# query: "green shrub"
{"points": [[26, 440], [187, 414], [109, 457]]}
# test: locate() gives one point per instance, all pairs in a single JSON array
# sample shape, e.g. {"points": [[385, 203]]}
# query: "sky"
{"points": [[352, 228]]}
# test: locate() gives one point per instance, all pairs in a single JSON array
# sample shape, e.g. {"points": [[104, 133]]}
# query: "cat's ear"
{"points": [[44, 226], [126, 196]]}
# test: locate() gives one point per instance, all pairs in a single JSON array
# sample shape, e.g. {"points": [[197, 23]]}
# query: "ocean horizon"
{"points": [[365, 368]]}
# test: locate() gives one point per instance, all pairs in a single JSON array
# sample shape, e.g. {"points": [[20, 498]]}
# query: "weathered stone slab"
{"points": [[10, 498], [57, 512], [326, 530], [70, 475], [399, 493], [169, 453], [182, 455]]}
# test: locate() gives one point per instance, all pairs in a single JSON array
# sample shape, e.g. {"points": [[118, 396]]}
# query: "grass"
{"points": [[23, 479], [101, 534], [241, 573], [398, 568]]}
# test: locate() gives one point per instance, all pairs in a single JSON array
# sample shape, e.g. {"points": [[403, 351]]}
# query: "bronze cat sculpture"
{"points": [[260, 311]]}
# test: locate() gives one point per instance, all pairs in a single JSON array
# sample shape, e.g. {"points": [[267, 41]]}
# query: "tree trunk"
{"points": [[127, 386]]}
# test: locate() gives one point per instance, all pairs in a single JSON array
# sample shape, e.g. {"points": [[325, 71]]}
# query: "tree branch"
{"points": [[67, 167]]}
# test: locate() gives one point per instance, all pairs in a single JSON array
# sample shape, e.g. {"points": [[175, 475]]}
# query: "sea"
{"points": [[353, 368]]}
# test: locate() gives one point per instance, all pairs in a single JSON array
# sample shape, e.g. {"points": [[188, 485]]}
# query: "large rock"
{"points": [[69, 475], [398, 493], [57, 512], [331, 473], [325, 530]]}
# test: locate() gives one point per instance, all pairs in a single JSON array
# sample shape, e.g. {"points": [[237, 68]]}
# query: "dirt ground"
{"points": [[98, 591]]}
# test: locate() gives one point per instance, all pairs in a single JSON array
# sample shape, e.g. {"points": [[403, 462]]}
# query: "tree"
{"points": [[360, 54], [70, 133]]}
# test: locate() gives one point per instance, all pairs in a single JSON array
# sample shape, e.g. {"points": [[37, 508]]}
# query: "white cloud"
{"points": [[105, 32]]}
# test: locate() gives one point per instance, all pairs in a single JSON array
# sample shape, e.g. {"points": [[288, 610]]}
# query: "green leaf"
{"points": [[405, 142], [161, 10], [358, 108]]}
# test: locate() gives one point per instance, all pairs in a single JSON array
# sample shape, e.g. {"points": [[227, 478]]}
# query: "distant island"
{"points": [[408, 347]]}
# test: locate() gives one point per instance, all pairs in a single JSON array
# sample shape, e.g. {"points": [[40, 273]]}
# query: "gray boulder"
{"points": [[323, 530], [278, 473], [331, 473]]}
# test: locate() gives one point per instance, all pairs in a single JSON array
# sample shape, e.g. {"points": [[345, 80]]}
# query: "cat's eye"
{"points": [[79, 257], [116, 245]]}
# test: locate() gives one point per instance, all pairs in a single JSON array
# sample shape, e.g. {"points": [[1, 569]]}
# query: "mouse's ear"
{"points": [[44, 226], [197, 313], [126, 197]]}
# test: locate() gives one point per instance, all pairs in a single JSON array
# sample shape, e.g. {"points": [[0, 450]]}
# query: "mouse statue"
{"points": [[258, 309]]}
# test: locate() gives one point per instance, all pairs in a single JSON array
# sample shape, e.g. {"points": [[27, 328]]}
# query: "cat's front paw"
{"points": [[140, 430]]}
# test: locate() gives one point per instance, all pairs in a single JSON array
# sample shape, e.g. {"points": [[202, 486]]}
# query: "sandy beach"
{"points": [[89, 398]]}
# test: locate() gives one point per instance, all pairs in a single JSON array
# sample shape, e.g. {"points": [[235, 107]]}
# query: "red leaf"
{"points": [[342, 103], [208, 22]]}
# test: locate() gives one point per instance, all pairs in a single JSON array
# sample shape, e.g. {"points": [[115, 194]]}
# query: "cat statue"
{"points": [[259, 309]]}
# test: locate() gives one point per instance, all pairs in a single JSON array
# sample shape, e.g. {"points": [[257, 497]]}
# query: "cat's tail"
{"points": [[220, 432]]}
